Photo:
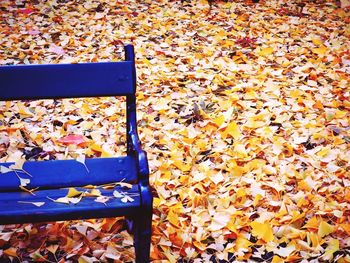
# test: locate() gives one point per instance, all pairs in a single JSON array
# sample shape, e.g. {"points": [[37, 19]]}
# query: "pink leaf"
{"points": [[57, 50], [33, 32], [72, 139], [26, 11]]}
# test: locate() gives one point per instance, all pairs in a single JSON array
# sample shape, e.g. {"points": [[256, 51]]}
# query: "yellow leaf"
{"points": [[242, 243], [323, 152], [317, 41], [182, 166], [22, 110], [52, 248], [266, 51], [333, 246], [320, 50], [233, 130], [325, 229], [241, 193], [82, 259], [105, 154], [232, 226], [219, 120], [72, 192], [173, 218], [95, 147], [340, 114], [277, 259], [171, 258], [296, 215], [262, 231], [94, 192], [257, 198]]}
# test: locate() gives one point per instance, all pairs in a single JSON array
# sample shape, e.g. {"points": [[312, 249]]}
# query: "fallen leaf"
{"points": [[266, 51], [262, 231], [37, 204], [72, 192], [81, 159], [72, 139], [325, 229], [126, 199], [23, 181], [4, 169]]}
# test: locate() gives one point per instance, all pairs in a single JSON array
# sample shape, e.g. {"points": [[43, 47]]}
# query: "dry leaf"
{"points": [[37, 204]]}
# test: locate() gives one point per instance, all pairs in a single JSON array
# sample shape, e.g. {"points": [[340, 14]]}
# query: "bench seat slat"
{"points": [[14, 211], [66, 80], [71, 173]]}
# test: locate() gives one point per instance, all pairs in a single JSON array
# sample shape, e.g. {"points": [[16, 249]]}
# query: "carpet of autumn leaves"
{"points": [[243, 110]]}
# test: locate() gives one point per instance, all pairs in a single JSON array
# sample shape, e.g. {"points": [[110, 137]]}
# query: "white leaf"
{"points": [[18, 165], [6, 236], [102, 199], [4, 169], [99, 15], [126, 199], [219, 221], [37, 204], [117, 194], [81, 159], [217, 178], [285, 251], [111, 256], [63, 200], [24, 181], [74, 200], [82, 229]]}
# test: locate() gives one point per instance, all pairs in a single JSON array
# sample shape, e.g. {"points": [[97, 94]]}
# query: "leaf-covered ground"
{"points": [[243, 110]]}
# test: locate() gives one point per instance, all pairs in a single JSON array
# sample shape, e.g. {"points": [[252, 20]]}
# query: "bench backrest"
{"points": [[30, 82], [55, 81]]}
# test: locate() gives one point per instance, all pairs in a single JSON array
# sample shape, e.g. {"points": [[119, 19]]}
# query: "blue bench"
{"points": [[52, 179]]}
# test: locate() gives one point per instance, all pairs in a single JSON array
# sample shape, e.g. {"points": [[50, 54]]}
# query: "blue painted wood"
{"points": [[69, 81], [142, 223], [13, 210], [66, 80], [67, 173], [143, 226]]}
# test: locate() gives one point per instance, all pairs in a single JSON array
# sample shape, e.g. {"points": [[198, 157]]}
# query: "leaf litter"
{"points": [[243, 110]]}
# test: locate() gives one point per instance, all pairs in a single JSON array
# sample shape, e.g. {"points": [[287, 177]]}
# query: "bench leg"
{"points": [[142, 236]]}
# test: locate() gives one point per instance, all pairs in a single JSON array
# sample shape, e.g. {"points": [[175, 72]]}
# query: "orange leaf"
{"points": [[313, 223], [11, 252]]}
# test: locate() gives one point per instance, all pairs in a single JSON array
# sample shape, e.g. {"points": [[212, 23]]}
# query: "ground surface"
{"points": [[244, 113]]}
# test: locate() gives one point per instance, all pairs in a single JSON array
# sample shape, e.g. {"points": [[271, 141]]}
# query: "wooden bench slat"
{"points": [[70, 173], [66, 80], [14, 211]]}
